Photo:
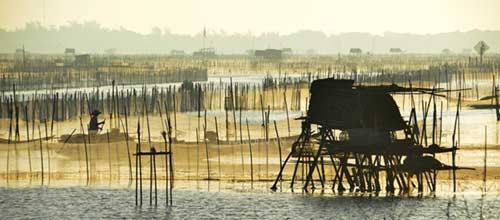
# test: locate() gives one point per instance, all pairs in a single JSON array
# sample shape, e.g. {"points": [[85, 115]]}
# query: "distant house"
{"points": [[310, 52], [250, 52], [69, 51], [110, 51], [446, 51], [467, 51], [205, 52], [395, 50], [69, 57], [269, 54], [82, 60], [286, 51], [355, 51], [177, 53]]}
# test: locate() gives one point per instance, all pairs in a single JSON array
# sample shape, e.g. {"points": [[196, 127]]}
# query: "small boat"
{"points": [[114, 136]]}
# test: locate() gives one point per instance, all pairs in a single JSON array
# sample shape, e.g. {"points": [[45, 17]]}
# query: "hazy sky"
{"points": [[257, 16]]}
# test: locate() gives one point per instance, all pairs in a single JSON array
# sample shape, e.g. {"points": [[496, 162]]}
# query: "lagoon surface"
{"points": [[98, 202]]}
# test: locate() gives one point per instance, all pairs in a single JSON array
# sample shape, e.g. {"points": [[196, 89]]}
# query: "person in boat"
{"points": [[94, 125]]}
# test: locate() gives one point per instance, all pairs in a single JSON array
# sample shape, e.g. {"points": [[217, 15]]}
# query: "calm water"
{"points": [[119, 203]]}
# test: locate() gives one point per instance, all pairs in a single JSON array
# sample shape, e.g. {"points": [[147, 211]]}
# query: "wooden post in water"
{"points": [[54, 107], [170, 161], [153, 152], [126, 141], [441, 123], [497, 107], [206, 150], [286, 110], [175, 113], [85, 148], [279, 144], [485, 156], [197, 154], [241, 132], [138, 151], [9, 107], [147, 119], [48, 153], [251, 156], [233, 107], [41, 150], [17, 140], [198, 89], [164, 135], [109, 155], [136, 172], [28, 137], [455, 143], [227, 120], [218, 146], [241, 146], [267, 139]]}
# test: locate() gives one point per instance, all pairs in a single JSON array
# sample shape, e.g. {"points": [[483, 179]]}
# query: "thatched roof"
{"points": [[338, 104]]}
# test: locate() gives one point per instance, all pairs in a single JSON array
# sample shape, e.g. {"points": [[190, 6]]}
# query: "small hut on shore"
{"points": [[355, 51]]}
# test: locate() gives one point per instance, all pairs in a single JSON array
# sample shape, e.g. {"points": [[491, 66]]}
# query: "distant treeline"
{"points": [[90, 37]]}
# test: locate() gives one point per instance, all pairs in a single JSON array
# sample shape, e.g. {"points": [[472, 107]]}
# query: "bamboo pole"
{"points": [[138, 152], [109, 155], [251, 156], [17, 140], [455, 143], [233, 108], [279, 144], [287, 116], [126, 141], [206, 150], [10, 137], [164, 134], [86, 152], [218, 146], [41, 151], [197, 154], [151, 152], [241, 148], [485, 157], [28, 137], [170, 160]]}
